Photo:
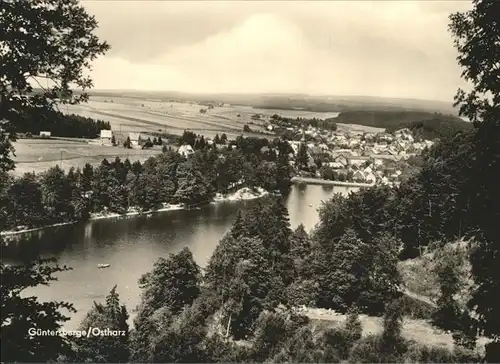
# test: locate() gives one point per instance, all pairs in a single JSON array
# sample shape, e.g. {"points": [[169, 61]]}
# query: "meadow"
{"points": [[126, 114], [141, 115], [38, 155], [148, 116]]}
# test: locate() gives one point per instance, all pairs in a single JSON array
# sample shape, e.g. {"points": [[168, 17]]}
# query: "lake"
{"points": [[131, 246]]}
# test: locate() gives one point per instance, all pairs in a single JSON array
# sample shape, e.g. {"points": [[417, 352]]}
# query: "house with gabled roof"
{"points": [[185, 150], [135, 139], [106, 137]]}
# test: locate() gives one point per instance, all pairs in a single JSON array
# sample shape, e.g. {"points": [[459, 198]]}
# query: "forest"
{"points": [[59, 124], [433, 128], [393, 120], [328, 124], [116, 186]]}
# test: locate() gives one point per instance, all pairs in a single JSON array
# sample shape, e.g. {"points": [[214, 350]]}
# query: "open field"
{"points": [[133, 115], [420, 331], [420, 278], [37, 155], [148, 115], [358, 128]]}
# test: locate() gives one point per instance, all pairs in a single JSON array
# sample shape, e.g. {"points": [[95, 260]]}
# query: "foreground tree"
{"points": [[476, 33], [49, 43], [107, 348], [173, 282], [22, 315], [172, 285]]}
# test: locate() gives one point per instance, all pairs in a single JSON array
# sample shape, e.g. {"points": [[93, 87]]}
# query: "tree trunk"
{"points": [[228, 326]]}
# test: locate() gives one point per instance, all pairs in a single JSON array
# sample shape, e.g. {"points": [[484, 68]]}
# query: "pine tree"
{"points": [[127, 143], [193, 188], [173, 283], [87, 177], [391, 340], [110, 348], [302, 158]]}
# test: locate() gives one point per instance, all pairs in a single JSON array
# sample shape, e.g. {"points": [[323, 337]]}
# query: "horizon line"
{"points": [[266, 93]]}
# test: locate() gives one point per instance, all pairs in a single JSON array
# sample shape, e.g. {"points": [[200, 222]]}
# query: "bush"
{"points": [[434, 354], [339, 340], [367, 350], [302, 292], [416, 309], [462, 355]]}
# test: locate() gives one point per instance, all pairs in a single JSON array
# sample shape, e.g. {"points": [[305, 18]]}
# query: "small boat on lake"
{"points": [[103, 265]]}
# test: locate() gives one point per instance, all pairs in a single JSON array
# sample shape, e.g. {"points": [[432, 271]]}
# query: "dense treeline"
{"points": [[241, 307], [433, 128], [309, 104], [56, 196], [59, 124], [393, 119], [328, 124]]}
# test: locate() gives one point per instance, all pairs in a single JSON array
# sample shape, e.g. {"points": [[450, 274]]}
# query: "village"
{"points": [[345, 156], [358, 157]]}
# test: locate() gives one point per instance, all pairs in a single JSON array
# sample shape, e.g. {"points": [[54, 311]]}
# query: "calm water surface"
{"points": [[131, 245]]}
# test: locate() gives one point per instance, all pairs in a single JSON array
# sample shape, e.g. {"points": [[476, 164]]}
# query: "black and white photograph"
{"points": [[245, 181]]}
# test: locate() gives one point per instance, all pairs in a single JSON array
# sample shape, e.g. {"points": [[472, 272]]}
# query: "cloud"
{"points": [[394, 49]]}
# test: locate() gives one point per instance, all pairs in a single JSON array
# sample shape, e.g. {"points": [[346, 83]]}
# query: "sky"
{"points": [[373, 48]]}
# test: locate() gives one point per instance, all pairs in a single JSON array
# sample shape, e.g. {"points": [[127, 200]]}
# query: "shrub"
{"points": [[367, 350], [416, 308]]}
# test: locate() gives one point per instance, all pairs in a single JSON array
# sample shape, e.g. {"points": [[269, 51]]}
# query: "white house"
{"points": [[342, 160], [134, 139], [295, 147], [45, 134], [370, 177], [336, 165], [106, 136], [353, 142], [357, 161], [185, 150]]}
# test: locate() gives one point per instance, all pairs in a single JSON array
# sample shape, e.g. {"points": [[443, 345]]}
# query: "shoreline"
{"points": [[244, 194], [325, 182]]}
